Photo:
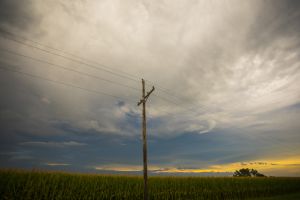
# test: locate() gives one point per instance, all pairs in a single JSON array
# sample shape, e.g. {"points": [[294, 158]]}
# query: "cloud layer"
{"points": [[226, 73]]}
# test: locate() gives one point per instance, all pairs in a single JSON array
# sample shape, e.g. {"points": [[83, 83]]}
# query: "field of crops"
{"points": [[55, 185]]}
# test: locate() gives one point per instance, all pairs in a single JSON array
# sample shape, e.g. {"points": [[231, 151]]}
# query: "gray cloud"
{"points": [[18, 14], [277, 20], [234, 65], [54, 144]]}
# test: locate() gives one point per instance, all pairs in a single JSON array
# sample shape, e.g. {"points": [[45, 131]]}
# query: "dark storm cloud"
{"points": [[57, 150], [275, 20], [217, 147], [23, 108], [18, 14]]}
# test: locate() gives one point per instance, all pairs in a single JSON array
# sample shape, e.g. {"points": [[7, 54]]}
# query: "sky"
{"points": [[226, 77]]}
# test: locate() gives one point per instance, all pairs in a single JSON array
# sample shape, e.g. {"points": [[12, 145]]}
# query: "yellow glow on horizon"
{"points": [[124, 168], [57, 164], [264, 166], [286, 165]]}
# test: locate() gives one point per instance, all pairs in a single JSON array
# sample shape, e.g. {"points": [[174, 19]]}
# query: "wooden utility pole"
{"points": [[143, 101]]}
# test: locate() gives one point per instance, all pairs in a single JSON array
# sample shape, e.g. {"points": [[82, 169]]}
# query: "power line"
{"points": [[90, 75], [78, 61], [159, 87], [68, 69], [69, 85], [64, 52], [90, 66], [93, 91], [73, 60], [259, 137], [39, 96], [59, 82], [73, 55], [93, 76], [164, 90], [105, 68], [177, 104]]}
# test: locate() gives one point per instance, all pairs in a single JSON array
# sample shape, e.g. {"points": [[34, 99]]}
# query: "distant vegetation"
{"points": [[245, 172], [57, 185]]}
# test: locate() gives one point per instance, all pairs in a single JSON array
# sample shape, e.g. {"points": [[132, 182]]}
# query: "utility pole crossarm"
{"points": [[146, 97]]}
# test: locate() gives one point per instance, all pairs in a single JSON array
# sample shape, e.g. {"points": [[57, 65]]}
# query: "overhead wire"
{"points": [[93, 76], [162, 98], [73, 60], [89, 75], [92, 66], [68, 69], [157, 86], [65, 52], [164, 91], [104, 67], [59, 82], [17, 89], [80, 60]]}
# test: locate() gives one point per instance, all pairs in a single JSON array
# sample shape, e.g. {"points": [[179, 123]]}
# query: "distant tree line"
{"points": [[246, 172]]}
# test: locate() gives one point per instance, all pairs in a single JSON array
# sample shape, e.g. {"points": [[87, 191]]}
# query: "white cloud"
{"points": [[45, 100], [211, 126]]}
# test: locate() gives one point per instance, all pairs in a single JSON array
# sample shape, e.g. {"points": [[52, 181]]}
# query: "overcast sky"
{"points": [[226, 73]]}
